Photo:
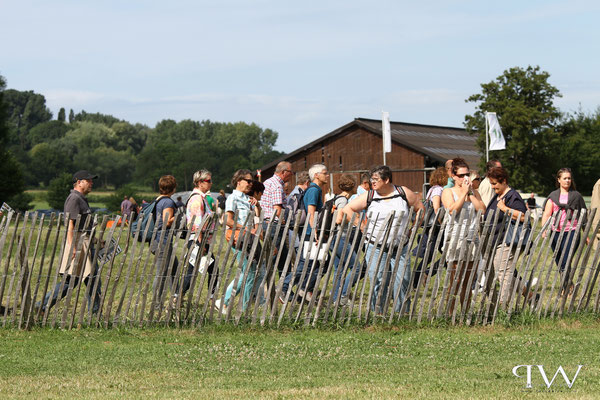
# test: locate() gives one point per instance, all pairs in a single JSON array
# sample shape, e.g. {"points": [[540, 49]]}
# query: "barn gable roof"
{"points": [[438, 142]]}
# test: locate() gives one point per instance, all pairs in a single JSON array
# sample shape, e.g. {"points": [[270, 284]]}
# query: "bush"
{"points": [[58, 190], [113, 202], [21, 202]]}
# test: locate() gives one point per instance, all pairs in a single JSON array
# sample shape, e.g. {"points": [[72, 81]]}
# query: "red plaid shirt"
{"points": [[273, 195]]}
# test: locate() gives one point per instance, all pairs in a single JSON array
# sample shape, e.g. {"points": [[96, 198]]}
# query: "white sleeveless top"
{"points": [[459, 227], [378, 212]]}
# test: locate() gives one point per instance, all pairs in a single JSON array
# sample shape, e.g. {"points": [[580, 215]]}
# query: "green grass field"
{"points": [[224, 362]]}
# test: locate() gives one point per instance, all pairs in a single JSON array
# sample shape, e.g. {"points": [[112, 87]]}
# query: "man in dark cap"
{"points": [[78, 259]]}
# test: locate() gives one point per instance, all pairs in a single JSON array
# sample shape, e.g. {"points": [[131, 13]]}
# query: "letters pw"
{"points": [[544, 376]]}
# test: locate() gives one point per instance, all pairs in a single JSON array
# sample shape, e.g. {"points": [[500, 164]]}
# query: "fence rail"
{"points": [[420, 274]]}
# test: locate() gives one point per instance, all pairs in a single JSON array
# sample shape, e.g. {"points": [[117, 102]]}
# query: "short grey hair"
{"points": [[282, 166], [201, 175], [302, 178], [314, 170]]}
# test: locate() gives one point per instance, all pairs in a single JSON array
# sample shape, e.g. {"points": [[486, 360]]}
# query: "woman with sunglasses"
{"points": [[240, 200], [458, 233], [566, 200], [197, 210]]}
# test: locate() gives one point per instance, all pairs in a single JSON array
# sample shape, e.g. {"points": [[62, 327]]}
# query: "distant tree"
{"points": [[11, 183], [48, 160], [21, 202], [524, 102], [114, 167], [59, 189], [61, 115], [182, 148], [579, 148], [130, 137], [71, 116], [105, 119], [47, 132], [26, 109]]}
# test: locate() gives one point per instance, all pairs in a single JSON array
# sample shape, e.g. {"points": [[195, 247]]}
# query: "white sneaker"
{"points": [[307, 296], [218, 307], [534, 282], [173, 304]]}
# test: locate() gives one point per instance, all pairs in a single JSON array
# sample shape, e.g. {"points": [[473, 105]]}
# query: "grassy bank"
{"points": [[223, 362]]}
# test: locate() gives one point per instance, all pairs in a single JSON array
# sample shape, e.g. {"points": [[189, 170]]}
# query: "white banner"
{"points": [[387, 132], [496, 138]]}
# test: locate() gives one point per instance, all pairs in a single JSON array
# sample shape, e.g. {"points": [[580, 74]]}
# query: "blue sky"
{"points": [[300, 68]]}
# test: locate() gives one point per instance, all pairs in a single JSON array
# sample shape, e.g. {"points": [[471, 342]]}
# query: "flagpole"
{"points": [[487, 146], [382, 138]]}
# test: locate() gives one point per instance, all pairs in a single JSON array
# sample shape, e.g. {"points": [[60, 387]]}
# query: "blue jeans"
{"points": [[250, 278], [57, 294], [341, 258], [569, 239], [310, 280], [401, 280], [212, 272]]}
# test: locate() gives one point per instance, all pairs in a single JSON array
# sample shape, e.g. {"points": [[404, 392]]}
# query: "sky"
{"points": [[302, 69]]}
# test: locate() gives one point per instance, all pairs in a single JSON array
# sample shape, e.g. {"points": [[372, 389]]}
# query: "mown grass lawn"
{"points": [[227, 362]]}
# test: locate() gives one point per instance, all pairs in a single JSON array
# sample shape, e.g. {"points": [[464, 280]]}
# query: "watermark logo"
{"points": [[530, 368]]}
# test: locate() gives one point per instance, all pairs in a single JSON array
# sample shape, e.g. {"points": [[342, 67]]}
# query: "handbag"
{"points": [[512, 237], [239, 241]]}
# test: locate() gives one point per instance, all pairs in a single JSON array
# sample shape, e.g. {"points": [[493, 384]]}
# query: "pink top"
{"points": [[571, 225]]}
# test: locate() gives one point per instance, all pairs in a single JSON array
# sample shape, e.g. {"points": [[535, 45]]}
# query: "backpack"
{"points": [[430, 220], [371, 194], [145, 223], [294, 204], [325, 216], [181, 221]]}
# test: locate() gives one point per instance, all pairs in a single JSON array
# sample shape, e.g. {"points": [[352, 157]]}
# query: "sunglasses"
{"points": [[462, 175], [207, 180], [246, 179]]}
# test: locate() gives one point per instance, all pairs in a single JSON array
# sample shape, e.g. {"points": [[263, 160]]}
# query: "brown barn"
{"points": [[357, 146]]}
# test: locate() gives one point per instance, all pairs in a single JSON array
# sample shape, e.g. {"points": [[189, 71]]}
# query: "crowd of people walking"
{"points": [[377, 214]]}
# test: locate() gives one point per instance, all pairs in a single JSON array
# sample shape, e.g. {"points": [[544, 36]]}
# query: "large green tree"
{"points": [[47, 132], [579, 148], [26, 109], [523, 99], [49, 160], [11, 183]]}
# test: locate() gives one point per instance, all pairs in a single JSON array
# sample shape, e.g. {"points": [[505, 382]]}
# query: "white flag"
{"points": [[387, 132], [496, 138]]}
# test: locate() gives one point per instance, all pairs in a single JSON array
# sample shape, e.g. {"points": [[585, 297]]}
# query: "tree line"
{"points": [[39, 149]]}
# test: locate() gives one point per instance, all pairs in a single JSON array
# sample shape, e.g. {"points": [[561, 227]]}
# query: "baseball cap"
{"points": [[83, 175]]}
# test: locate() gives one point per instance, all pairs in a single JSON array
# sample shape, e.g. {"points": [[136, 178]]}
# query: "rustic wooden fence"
{"points": [[33, 247]]}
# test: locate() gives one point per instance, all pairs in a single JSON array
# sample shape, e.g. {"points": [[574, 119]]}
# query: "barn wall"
{"points": [[357, 150]]}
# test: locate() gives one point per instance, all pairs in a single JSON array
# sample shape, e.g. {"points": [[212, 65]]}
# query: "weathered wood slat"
{"points": [[32, 249]]}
